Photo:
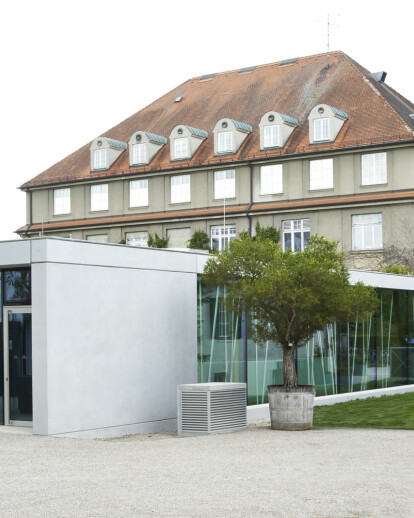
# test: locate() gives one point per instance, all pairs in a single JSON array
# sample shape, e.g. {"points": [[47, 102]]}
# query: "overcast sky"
{"points": [[71, 70]]}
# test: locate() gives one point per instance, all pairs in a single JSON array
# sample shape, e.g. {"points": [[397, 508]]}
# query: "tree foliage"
{"points": [[157, 241], [199, 241], [290, 295], [266, 233], [399, 269]]}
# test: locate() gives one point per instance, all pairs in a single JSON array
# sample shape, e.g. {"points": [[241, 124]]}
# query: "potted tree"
{"points": [[289, 296]]}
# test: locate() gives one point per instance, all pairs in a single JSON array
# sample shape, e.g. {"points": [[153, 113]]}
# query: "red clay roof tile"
{"points": [[377, 114]]}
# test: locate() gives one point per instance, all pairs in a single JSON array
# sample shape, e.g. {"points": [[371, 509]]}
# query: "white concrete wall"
{"points": [[114, 333]]}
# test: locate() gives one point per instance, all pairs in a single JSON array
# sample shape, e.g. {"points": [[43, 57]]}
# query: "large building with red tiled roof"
{"points": [[309, 145]]}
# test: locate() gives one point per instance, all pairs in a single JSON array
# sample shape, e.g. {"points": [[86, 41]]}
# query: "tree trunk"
{"points": [[290, 377]]}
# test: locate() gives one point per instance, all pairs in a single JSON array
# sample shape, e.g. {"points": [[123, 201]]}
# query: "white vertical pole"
{"points": [[224, 206]]}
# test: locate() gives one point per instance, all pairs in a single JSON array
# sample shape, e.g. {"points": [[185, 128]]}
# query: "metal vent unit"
{"points": [[207, 76], [207, 408], [288, 61], [379, 76], [246, 69]]}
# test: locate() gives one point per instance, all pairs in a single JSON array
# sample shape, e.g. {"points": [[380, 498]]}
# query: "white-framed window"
{"points": [[138, 193], [99, 197], [224, 184], [139, 153], [221, 236], [367, 232], [296, 234], [225, 142], [136, 238], [98, 238], [321, 129], [271, 135], [321, 174], [271, 179], [61, 201], [180, 188], [181, 147], [99, 159], [374, 168]]}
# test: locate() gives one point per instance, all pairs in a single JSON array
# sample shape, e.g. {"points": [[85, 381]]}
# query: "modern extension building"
{"points": [[95, 338], [309, 145]]}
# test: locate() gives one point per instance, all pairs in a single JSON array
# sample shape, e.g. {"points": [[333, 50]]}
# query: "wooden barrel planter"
{"points": [[291, 408]]}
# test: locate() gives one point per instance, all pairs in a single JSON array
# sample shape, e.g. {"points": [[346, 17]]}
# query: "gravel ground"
{"points": [[253, 473]]}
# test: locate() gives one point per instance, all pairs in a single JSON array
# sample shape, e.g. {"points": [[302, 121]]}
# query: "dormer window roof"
{"points": [[325, 122], [104, 152], [143, 146], [275, 129], [229, 135], [185, 140]]}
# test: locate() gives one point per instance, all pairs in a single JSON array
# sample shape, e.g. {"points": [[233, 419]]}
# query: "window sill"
{"points": [[62, 214], [180, 202], [271, 147], [322, 189], [99, 210], [139, 207], [271, 194], [372, 184], [367, 250], [317, 142], [227, 198]]}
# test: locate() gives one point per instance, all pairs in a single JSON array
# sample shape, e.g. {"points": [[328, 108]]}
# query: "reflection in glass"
{"points": [[220, 339], [20, 366], [345, 357], [17, 286], [1, 355]]}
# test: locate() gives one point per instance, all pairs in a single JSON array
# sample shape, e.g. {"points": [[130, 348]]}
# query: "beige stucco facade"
{"points": [[333, 219]]}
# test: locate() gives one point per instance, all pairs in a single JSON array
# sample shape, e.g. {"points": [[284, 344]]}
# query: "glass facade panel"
{"points": [[17, 287], [345, 357], [221, 338], [15, 290], [1, 352], [20, 366]]}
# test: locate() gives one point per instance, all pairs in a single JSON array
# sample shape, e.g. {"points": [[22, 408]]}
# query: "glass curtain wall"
{"points": [[221, 337], [15, 290], [345, 357], [1, 353]]}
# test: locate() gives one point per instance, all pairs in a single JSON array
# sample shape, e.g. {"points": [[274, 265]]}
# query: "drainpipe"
{"points": [[251, 199]]}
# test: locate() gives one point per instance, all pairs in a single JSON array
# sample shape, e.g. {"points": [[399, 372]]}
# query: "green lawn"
{"points": [[383, 412]]}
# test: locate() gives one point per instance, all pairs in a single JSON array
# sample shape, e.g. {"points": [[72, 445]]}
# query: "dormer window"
{"points": [[104, 152], [184, 142], [181, 147], [275, 129], [143, 147], [99, 159], [139, 153], [321, 129], [229, 135], [325, 122], [271, 136], [225, 142]]}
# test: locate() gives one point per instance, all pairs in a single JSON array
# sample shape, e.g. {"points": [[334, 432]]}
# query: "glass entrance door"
{"points": [[17, 365]]}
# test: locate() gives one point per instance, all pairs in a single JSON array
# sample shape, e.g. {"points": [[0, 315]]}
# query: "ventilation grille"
{"points": [[194, 412], [211, 408], [227, 410]]}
